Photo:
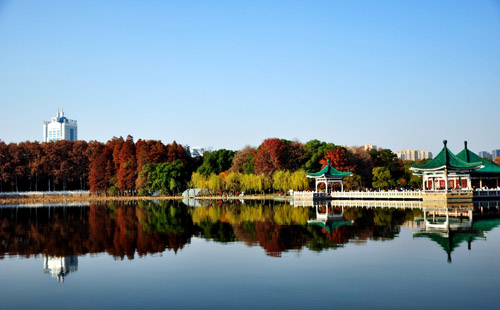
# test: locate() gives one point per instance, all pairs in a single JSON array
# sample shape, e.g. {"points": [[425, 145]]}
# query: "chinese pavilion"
{"points": [[488, 176], [329, 175], [446, 171]]}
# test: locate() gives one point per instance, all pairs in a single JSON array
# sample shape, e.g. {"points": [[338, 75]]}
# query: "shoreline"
{"points": [[89, 198]]}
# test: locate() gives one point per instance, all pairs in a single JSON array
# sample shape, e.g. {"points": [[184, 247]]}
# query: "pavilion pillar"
{"points": [[342, 186], [480, 182], [446, 179], [316, 186]]}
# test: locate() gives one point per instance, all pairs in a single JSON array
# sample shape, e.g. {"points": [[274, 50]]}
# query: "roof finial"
{"points": [[445, 142], [328, 162], [465, 143]]}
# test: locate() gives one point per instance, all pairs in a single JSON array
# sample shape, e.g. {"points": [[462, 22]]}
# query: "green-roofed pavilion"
{"points": [[488, 176], [329, 175], [446, 171]]}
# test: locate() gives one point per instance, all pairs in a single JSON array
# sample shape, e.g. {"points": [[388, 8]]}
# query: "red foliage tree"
{"points": [[128, 166], [176, 151], [157, 152], [270, 156], [101, 166], [338, 160]]}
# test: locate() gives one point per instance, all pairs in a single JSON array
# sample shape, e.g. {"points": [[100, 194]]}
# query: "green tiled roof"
{"points": [[447, 159], [329, 171], [330, 226], [469, 156]]}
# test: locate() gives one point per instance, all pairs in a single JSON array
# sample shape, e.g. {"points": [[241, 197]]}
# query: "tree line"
{"points": [[124, 167]]}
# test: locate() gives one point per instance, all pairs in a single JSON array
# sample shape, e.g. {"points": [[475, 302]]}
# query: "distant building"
{"points": [[485, 154], [199, 151], [367, 147], [495, 154], [412, 154], [60, 128]]}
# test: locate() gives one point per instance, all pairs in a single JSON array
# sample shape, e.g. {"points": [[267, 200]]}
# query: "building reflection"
{"points": [[326, 217], [450, 225], [59, 267]]}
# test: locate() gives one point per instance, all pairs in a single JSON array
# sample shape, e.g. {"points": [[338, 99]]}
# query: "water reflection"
{"points": [[453, 224], [59, 267], [137, 229]]}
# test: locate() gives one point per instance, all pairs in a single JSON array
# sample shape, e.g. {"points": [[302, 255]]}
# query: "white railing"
{"points": [[378, 195], [487, 193], [377, 204], [309, 195]]}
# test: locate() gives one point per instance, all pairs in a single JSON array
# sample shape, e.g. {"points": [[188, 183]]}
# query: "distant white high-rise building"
{"points": [[60, 128], [367, 147], [412, 154], [199, 151]]}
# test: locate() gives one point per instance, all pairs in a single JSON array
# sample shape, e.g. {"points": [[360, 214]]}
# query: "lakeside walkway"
{"points": [[401, 195]]}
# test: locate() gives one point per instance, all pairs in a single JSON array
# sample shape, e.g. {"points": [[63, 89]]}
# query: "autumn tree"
{"points": [[35, 163], [79, 162], [338, 160], [243, 160], [128, 166], [101, 167], [176, 151]]}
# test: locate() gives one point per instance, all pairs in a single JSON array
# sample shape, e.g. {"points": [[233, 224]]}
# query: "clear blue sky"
{"points": [[398, 74]]}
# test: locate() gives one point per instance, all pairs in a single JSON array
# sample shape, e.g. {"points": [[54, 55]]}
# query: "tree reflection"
{"points": [[129, 229]]}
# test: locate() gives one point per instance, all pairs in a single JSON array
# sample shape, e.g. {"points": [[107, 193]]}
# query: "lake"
{"points": [[249, 254]]}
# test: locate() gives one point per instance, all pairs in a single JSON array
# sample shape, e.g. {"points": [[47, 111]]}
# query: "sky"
{"points": [[398, 74]]}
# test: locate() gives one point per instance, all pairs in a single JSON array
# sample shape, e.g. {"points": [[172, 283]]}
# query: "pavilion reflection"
{"points": [[59, 267], [327, 218], [450, 225]]}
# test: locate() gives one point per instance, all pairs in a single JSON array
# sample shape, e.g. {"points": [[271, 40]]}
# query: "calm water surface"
{"points": [[257, 254]]}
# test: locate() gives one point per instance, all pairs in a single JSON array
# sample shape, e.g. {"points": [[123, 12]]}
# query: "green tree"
{"points": [[381, 177], [299, 181], [168, 177], [315, 150], [232, 182], [282, 180], [216, 162], [354, 182], [198, 181], [214, 183]]}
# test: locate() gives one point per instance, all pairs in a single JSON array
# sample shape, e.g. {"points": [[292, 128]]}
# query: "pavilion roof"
{"points": [[469, 156], [330, 226], [446, 159], [329, 171]]}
